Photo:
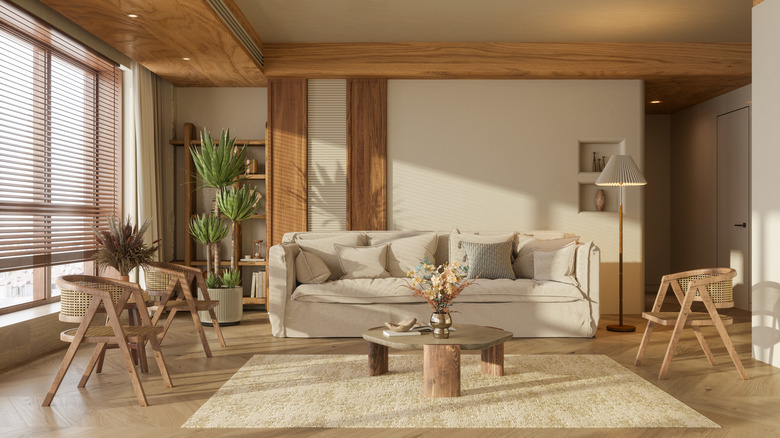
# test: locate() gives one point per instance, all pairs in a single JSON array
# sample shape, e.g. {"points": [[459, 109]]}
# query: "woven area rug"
{"points": [[538, 391]]}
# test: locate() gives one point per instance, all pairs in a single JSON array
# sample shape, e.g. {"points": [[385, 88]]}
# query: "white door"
{"points": [[734, 200]]}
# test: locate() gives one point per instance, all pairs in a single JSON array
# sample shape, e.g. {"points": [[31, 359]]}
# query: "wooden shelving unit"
{"points": [[189, 211]]}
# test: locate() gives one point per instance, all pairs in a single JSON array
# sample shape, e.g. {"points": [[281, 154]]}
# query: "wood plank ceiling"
{"points": [[166, 31]]}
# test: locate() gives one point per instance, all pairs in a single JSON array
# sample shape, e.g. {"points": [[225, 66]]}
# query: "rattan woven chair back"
{"points": [[103, 295], [172, 283], [714, 288]]}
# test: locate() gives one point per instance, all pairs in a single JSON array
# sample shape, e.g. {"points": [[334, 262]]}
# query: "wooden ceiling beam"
{"points": [[164, 33]]}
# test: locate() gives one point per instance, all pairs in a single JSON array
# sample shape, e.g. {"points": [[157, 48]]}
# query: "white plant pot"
{"points": [[231, 306]]}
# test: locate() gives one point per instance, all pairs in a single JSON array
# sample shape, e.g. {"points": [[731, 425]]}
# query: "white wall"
{"points": [[504, 155], [694, 179], [244, 111], [658, 139], [766, 183]]}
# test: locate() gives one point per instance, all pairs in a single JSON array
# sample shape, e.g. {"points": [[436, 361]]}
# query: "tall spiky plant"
{"points": [[122, 246], [220, 166], [208, 229]]}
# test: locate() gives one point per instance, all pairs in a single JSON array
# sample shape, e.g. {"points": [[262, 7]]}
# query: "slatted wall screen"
{"points": [[327, 168]]}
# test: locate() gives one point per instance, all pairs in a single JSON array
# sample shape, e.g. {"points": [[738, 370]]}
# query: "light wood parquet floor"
{"points": [[107, 407]]}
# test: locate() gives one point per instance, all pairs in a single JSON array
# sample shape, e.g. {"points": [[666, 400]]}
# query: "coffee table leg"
{"points": [[377, 359], [441, 370], [493, 360]]}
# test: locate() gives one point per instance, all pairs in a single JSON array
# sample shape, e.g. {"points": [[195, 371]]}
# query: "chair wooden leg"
{"points": [[201, 333], [98, 354], [158, 356], [704, 346], [217, 328], [678, 328], [643, 345], [724, 335], [167, 325], [66, 361], [142, 361]]}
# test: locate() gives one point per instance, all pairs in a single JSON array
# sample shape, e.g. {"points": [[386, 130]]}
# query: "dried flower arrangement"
{"points": [[439, 285], [122, 246]]}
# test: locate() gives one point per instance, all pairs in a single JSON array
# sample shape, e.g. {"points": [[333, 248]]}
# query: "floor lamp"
{"points": [[621, 171]]}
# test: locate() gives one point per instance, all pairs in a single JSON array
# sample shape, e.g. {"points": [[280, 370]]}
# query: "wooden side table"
{"points": [[441, 357]]}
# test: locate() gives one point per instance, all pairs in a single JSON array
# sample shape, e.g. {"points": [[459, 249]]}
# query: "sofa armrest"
{"points": [[281, 283], [588, 268]]}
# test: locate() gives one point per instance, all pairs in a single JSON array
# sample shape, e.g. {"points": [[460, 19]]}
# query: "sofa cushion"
{"points": [[357, 291], [556, 265], [322, 246], [489, 260], [524, 261], [363, 261], [404, 253], [504, 290], [310, 269], [458, 253]]}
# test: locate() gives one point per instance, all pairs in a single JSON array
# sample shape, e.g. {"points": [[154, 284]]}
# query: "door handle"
{"points": [[743, 225]]}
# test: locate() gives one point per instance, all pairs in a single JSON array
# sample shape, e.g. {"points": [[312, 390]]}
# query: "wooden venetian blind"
{"points": [[59, 144]]}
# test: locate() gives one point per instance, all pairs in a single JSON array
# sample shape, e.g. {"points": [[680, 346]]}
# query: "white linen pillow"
{"points": [[405, 253], [524, 261], [323, 248], [310, 269], [458, 253], [556, 265], [363, 261]]}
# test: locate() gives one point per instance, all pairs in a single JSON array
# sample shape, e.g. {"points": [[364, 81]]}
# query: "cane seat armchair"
{"points": [[714, 288], [112, 297]]}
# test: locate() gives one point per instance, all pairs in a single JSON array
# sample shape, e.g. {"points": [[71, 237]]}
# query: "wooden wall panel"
{"points": [[286, 205], [367, 154]]}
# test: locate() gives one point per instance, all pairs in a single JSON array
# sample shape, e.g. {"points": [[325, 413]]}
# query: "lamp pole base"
{"points": [[621, 328]]}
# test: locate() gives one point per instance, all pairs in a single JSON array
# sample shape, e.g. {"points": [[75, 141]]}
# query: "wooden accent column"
{"points": [[286, 205], [189, 192], [366, 154]]}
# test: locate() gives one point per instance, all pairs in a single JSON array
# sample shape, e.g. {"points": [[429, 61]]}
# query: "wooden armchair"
{"points": [[171, 282], [713, 287], [111, 296]]}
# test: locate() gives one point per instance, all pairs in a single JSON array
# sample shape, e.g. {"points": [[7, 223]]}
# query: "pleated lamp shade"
{"points": [[621, 171]]}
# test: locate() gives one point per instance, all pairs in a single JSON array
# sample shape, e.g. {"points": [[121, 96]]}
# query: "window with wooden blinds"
{"points": [[59, 144]]}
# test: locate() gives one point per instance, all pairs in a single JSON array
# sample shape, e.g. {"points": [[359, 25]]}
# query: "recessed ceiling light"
{"points": [[655, 101], [186, 59], [132, 15]]}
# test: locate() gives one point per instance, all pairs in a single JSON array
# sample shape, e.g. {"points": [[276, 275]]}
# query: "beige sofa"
{"points": [[311, 294]]}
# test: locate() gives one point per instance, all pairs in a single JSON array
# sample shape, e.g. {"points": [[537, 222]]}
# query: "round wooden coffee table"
{"points": [[441, 357]]}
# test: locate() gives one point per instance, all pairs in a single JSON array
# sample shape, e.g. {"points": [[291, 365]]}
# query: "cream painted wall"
{"points": [[766, 183], [658, 194], [693, 166], [504, 155], [244, 111]]}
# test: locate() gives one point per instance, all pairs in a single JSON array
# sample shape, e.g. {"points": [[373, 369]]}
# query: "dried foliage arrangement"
{"points": [[122, 246], [439, 285]]}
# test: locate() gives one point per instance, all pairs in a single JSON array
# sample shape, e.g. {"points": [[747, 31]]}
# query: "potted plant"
{"points": [[122, 246], [222, 166]]}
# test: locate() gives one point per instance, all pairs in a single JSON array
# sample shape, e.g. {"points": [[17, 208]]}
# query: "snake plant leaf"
{"points": [[238, 204], [208, 228], [219, 165]]}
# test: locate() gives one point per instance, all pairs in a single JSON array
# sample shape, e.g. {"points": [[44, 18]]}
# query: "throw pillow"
{"points": [[556, 265], [524, 261], [310, 269], [323, 247], [405, 253], [363, 261], [489, 260], [458, 254]]}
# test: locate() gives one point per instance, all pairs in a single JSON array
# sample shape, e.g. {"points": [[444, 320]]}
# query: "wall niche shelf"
{"points": [[587, 176]]}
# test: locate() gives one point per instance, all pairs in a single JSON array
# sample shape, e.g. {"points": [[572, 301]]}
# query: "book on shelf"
{"points": [[252, 290], [260, 285]]}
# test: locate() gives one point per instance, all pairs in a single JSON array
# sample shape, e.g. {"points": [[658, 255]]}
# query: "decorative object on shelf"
{"points": [[595, 166], [257, 249], [122, 246], [603, 163], [441, 323], [621, 171], [601, 200], [402, 326], [439, 285]]}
